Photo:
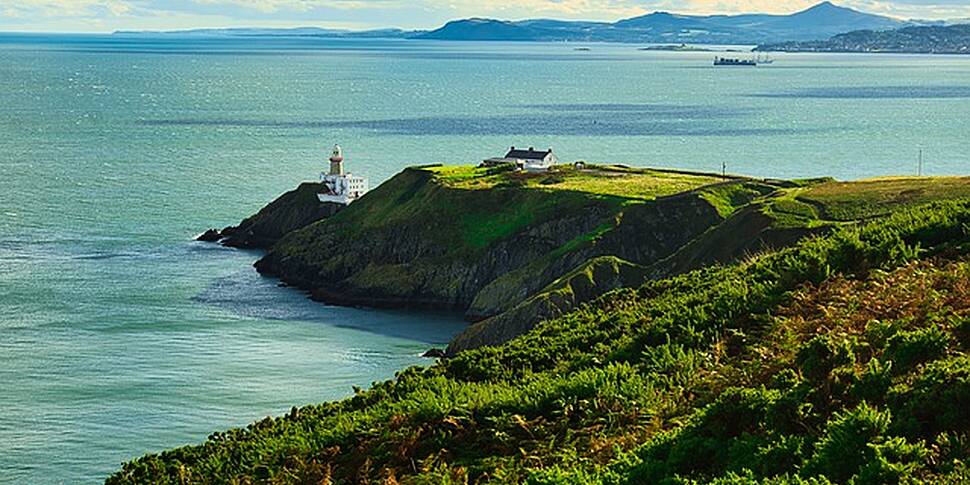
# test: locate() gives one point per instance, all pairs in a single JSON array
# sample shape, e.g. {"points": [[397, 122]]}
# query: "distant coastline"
{"points": [[954, 39], [819, 22], [846, 31]]}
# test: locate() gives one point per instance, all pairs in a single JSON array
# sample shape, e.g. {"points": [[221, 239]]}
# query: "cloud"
{"points": [[88, 15], [68, 8], [274, 6]]}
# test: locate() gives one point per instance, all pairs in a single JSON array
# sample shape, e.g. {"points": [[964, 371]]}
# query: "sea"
{"points": [[121, 336]]}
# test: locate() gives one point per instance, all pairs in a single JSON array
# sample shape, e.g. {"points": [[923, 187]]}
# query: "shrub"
{"points": [[821, 355], [908, 349], [873, 384], [938, 400], [895, 461], [961, 330], [878, 333], [845, 447]]}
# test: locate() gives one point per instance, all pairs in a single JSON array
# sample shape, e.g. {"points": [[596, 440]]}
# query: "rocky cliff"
{"points": [[293, 210]]}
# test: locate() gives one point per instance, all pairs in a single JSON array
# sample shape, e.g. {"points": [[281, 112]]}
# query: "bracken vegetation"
{"points": [[842, 359]]}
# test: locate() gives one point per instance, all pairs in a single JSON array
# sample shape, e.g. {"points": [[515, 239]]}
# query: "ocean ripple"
{"points": [[874, 92]]}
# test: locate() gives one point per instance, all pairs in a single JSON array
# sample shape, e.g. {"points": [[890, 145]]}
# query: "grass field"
{"points": [[605, 180], [848, 201]]}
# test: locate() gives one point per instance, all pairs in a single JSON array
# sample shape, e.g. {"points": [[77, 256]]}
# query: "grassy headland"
{"points": [[437, 236], [742, 351]]}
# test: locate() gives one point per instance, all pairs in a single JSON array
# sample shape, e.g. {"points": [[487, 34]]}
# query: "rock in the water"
{"points": [[434, 354], [212, 235]]}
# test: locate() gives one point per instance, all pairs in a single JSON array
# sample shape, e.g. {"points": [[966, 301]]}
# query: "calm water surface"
{"points": [[119, 336]]}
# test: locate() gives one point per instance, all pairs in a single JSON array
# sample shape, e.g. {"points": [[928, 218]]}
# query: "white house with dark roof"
{"points": [[530, 160]]}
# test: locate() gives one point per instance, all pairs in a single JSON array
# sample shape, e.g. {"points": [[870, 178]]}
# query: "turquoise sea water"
{"points": [[120, 336]]}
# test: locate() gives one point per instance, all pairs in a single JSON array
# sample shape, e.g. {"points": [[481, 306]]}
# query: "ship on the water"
{"points": [[737, 61], [734, 61]]}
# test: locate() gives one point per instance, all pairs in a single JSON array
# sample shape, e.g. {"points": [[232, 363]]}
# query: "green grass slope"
{"points": [[847, 201], [840, 359]]}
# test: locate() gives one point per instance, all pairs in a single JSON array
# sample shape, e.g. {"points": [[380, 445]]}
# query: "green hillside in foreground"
{"points": [[839, 358]]}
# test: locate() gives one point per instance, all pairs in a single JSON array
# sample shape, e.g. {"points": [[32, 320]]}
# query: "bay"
{"points": [[120, 336]]}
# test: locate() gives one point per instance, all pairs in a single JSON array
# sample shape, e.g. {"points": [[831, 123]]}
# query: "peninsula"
{"points": [[953, 39], [634, 326]]}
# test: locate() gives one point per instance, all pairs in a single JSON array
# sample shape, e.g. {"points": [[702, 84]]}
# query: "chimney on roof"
{"points": [[532, 149]]}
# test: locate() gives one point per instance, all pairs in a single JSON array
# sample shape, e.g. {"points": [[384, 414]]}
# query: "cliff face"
{"points": [[587, 282], [293, 210], [639, 234]]}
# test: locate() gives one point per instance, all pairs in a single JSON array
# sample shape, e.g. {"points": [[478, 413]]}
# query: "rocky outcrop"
{"points": [[210, 235], [293, 210], [509, 254]]}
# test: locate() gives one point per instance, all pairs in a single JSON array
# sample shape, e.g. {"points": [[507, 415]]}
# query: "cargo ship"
{"points": [[737, 61], [734, 61]]}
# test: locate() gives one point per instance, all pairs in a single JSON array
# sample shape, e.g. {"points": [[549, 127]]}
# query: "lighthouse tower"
{"points": [[340, 187], [337, 161]]}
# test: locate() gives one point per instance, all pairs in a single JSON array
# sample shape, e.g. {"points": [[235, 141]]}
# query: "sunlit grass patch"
{"points": [[846, 201], [604, 180]]}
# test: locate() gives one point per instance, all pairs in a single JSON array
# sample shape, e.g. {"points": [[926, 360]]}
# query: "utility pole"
{"points": [[724, 169], [919, 165]]}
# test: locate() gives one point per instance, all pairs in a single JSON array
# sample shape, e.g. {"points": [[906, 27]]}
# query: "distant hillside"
{"points": [[485, 29], [953, 39], [821, 21], [271, 32]]}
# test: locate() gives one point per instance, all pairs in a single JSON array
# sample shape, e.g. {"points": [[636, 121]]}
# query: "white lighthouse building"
{"points": [[340, 187]]}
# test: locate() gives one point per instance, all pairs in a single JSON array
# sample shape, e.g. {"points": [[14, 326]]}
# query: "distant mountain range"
{"points": [[819, 22], [271, 32], [954, 39]]}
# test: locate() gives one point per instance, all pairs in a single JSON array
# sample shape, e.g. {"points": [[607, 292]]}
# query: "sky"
{"points": [[111, 15]]}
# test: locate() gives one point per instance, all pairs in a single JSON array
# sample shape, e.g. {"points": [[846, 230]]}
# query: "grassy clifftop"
{"points": [[840, 359]]}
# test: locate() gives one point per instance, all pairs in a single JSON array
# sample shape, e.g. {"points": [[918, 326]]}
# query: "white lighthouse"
{"points": [[339, 186]]}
